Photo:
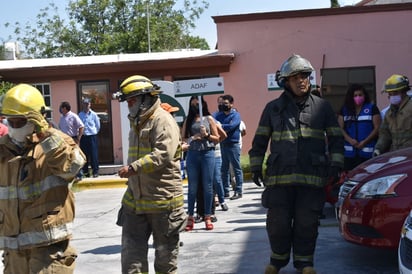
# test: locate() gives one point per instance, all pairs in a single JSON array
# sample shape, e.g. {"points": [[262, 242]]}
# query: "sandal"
{"points": [[190, 223], [208, 223]]}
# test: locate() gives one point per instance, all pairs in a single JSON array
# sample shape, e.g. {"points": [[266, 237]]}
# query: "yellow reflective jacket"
{"points": [[154, 153], [396, 129], [36, 204]]}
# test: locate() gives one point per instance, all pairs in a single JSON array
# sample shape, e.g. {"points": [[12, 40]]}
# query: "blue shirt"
{"points": [[91, 122], [230, 123], [70, 124]]}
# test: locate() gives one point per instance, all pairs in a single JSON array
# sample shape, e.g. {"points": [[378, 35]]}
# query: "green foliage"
{"points": [[5, 86], [111, 27], [334, 4]]}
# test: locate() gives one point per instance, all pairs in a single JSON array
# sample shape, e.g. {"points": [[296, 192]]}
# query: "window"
{"points": [[44, 88], [335, 82]]}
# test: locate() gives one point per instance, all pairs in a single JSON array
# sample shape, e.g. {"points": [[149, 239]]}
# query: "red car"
{"points": [[375, 199]]}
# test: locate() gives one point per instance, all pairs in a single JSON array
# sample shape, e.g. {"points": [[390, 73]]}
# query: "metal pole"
{"points": [[148, 26], [199, 98]]}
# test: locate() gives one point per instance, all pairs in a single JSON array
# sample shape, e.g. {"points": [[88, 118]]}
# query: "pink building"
{"points": [[359, 44], [364, 44]]}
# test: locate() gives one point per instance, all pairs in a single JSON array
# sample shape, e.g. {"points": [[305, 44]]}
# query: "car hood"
{"points": [[385, 163]]}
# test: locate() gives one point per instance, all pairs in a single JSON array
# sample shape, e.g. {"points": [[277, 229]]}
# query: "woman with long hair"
{"points": [[200, 134], [360, 120]]}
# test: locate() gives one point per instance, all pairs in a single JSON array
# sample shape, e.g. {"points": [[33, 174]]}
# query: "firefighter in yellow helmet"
{"points": [[296, 125], [396, 129], [37, 163], [153, 201]]}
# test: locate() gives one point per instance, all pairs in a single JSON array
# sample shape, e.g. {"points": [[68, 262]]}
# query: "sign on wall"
{"points": [[199, 87]]}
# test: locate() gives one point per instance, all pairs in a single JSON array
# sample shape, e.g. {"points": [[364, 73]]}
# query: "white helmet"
{"points": [[295, 64]]}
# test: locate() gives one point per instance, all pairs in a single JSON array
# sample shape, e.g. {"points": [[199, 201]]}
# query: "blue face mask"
{"points": [[395, 99]]}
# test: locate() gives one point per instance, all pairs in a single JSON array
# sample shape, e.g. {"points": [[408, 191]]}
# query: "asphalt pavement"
{"points": [[237, 245]]}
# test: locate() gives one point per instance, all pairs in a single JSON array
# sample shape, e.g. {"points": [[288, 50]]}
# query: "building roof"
{"points": [[312, 12], [185, 62], [380, 2]]}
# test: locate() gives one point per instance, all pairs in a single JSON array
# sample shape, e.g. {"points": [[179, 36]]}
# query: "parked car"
{"points": [[405, 247], [375, 199]]}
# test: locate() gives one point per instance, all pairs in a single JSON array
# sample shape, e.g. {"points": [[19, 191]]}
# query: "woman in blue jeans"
{"points": [[200, 135]]}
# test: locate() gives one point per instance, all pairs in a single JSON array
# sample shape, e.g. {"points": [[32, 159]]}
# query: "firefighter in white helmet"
{"points": [[295, 125], [153, 202], [37, 163]]}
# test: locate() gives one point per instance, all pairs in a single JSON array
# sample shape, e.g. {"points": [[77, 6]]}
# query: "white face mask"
{"points": [[19, 134], [134, 109], [395, 99]]}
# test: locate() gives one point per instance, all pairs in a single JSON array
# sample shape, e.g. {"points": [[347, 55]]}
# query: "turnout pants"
{"points": [[137, 228], [292, 223], [57, 258]]}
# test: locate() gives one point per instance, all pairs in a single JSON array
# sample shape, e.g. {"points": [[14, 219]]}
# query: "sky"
{"points": [[26, 10]]}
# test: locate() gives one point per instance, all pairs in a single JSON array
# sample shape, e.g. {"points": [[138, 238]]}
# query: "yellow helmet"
{"points": [[396, 83], [21, 99], [134, 86]]}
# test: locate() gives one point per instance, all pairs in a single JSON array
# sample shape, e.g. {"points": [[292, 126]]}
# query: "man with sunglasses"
{"points": [[37, 163]]}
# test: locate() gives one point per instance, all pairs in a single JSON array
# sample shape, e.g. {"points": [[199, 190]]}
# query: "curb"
{"points": [[98, 183], [101, 182]]}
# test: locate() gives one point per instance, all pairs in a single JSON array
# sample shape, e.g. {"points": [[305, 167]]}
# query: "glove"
{"points": [[40, 123], [258, 178], [376, 153], [334, 173]]}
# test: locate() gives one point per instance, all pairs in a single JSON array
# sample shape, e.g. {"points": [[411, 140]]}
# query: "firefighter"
{"points": [[37, 163], [153, 203], [396, 129], [297, 168]]}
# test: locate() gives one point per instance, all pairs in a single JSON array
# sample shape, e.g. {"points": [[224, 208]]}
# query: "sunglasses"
{"points": [[17, 122]]}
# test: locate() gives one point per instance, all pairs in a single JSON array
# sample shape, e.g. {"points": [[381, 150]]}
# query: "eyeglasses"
{"points": [[17, 122]]}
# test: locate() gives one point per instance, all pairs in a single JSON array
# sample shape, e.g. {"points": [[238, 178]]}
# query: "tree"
{"points": [[4, 87], [112, 27], [334, 4]]}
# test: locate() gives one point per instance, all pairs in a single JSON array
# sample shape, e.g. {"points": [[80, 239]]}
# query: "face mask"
{"points": [[134, 109], [223, 107], [359, 100], [195, 109], [395, 99], [19, 134]]}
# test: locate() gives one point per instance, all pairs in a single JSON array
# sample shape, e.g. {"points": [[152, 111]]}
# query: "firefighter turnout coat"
{"points": [[305, 142], [36, 204], [396, 129], [154, 153]]}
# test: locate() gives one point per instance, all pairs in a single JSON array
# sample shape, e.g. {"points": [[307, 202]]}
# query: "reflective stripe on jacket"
{"points": [[36, 204], [359, 127], [298, 154], [155, 152]]}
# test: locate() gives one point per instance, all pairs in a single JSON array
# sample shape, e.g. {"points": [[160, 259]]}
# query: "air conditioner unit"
{"points": [[11, 50]]}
